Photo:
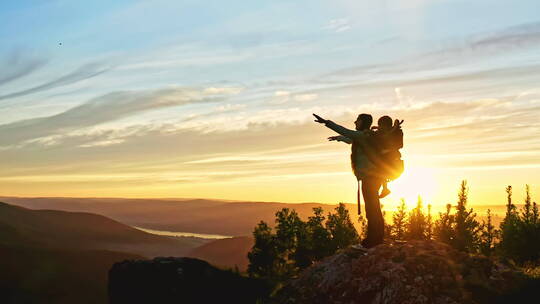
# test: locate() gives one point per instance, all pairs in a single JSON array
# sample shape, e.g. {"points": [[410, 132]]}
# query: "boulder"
{"points": [[404, 273], [180, 280]]}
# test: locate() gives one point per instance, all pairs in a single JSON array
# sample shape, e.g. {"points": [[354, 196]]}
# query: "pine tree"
{"points": [[342, 231], [509, 227], [429, 224], [528, 232], [466, 227], [320, 237], [443, 230], [264, 256], [399, 222], [488, 235], [293, 241], [527, 212], [416, 226]]}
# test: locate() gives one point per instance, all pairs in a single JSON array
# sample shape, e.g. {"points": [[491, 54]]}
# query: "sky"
{"points": [[213, 99]]}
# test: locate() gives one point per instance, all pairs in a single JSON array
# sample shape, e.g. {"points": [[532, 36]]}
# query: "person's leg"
{"points": [[370, 191], [385, 191]]}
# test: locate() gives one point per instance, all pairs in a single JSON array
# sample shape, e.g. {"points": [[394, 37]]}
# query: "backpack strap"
{"points": [[358, 199]]}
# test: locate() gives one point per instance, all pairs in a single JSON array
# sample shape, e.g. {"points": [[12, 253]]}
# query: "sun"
{"points": [[413, 182]]}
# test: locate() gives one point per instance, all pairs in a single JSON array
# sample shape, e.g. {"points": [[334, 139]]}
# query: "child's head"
{"points": [[384, 123]]}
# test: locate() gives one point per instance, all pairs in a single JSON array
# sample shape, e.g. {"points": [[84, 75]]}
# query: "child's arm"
{"points": [[397, 124]]}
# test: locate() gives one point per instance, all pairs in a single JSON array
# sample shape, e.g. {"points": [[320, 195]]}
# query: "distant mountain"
{"points": [[49, 256], [53, 229], [226, 253], [233, 218]]}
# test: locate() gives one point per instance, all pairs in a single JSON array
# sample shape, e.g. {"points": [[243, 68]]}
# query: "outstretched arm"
{"points": [[351, 134], [340, 138]]}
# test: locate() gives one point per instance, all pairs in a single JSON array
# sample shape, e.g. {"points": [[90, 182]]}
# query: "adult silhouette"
{"points": [[364, 160]]}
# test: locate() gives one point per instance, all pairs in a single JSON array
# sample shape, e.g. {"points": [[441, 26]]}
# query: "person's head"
{"points": [[363, 122], [384, 123]]}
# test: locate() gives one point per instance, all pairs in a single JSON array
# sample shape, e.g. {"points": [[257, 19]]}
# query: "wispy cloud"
{"points": [[108, 108], [473, 48], [18, 64], [338, 25], [84, 72]]}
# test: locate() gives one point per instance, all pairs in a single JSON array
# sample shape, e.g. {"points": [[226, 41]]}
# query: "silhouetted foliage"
{"points": [[399, 222], [488, 235], [320, 237], [509, 227], [296, 244], [417, 224], [264, 257], [429, 224], [460, 230], [443, 230], [341, 228], [520, 231], [363, 227], [466, 226]]}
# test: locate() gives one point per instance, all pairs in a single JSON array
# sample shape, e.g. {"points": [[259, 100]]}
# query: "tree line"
{"points": [[281, 252]]}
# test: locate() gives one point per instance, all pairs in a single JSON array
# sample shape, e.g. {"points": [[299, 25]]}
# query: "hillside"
{"points": [[63, 257], [228, 253], [52, 229], [189, 215], [36, 275]]}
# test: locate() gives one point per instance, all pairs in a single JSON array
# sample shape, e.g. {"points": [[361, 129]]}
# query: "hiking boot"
{"points": [[360, 248]]}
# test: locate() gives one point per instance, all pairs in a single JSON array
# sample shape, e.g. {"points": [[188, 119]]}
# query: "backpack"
{"points": [[394, 164]]}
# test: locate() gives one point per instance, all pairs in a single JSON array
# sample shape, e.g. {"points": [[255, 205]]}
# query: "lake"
{"points": [[185, 234]]}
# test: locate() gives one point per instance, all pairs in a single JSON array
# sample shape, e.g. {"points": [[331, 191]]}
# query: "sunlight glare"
{"points": [[413, 182]]}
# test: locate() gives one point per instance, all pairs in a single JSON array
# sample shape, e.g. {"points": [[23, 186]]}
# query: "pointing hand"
{"points": [[319, 119]]}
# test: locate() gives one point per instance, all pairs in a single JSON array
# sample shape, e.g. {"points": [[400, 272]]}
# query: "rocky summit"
{"points": [[412, 272]]}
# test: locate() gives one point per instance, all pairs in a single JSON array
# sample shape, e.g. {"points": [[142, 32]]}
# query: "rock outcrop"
{"points": [[413, 272], [180, 280]]}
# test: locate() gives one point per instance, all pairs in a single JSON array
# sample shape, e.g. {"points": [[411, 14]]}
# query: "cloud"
{"points": [[84, 72], [437, 134], [471, 49], [18, 64], [281, 97], [338, 25], [305, 97], [107, 108]]}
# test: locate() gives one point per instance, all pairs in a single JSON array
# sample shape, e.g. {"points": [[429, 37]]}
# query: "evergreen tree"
{"points": [[443, 230], [399, 222], [416, 226], [342, 231], [466, 227], [320, 237], [509, 227], [264, 256], [292, 240], [429, 224], [488, 235], [527, 212], [528, 232]]}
